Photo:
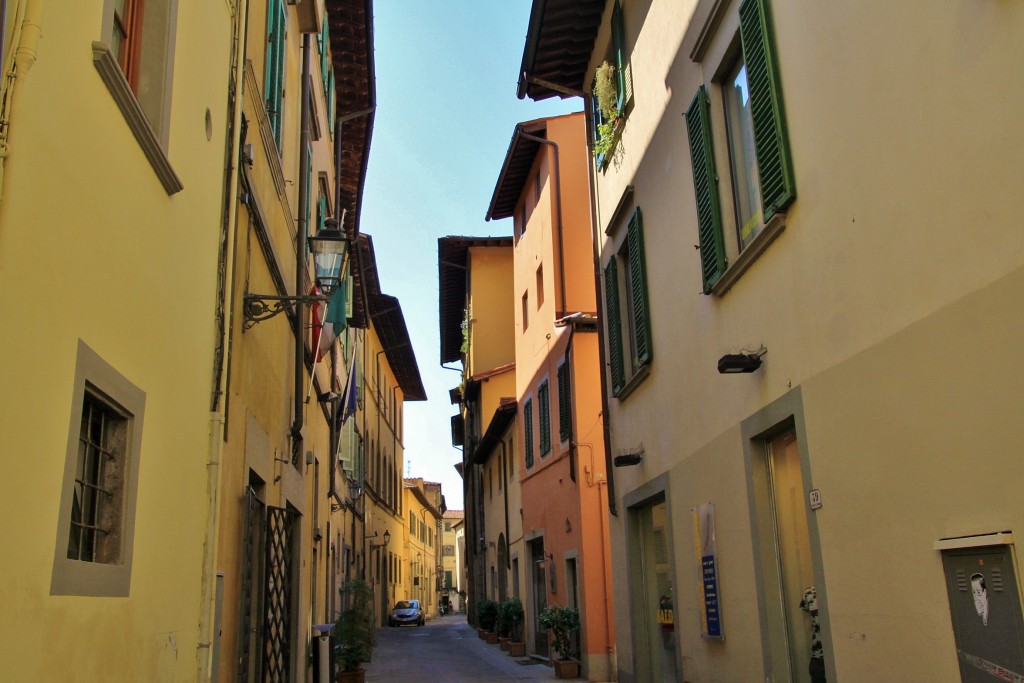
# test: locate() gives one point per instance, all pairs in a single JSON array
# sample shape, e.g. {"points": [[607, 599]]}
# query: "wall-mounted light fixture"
{"points": [[328, 247], [629, 458], [387, 539], [732, 363]]}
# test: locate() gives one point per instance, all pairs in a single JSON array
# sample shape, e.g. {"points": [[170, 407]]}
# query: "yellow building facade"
{"points": [[111, 202], [820, 386]]}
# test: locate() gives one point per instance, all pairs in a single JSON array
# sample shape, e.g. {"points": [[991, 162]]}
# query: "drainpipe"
{"points": [[300, 257], [588, 108], [204, 661], [558, 209], [25, 49]]}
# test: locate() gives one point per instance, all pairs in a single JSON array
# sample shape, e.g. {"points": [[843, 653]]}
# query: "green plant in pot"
{"points": [[606, 89], [487, 614], [514, 615], [354, 631], [502, 625], [562, 622]]}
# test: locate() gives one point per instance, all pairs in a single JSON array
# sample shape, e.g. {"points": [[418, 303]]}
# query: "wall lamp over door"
{"points": [[328, 247], [732, 363], [387, 539]]}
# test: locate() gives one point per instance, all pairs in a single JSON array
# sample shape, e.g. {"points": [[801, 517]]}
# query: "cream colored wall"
{"points": [[92, 248], [885, 299], [491, 345]]}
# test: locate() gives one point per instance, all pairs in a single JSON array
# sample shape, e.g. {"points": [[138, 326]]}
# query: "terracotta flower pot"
{"points": [[566, 668], [503, 643], [492, 638], [481, 634], [357, 676], [516, 649]]}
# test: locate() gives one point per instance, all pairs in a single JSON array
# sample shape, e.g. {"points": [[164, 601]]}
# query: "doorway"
{"points": [[791, 621], [651, 591], [540, 596]]}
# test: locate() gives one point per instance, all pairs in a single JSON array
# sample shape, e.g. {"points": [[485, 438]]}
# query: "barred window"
{"points": [[97, 506]]}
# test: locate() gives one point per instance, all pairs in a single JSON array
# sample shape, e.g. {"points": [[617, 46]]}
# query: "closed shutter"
{"points": [[528, 428], [705, 187], [638, 288], [623, 72], [774, 162], [611, 295], [564, 412], [274, 75], [544, 422]]}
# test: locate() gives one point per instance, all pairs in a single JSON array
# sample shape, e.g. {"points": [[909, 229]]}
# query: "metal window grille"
{"points": [[95, 506]]}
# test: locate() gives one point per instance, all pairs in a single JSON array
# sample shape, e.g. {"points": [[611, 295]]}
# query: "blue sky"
{"points": [[446, 107]]}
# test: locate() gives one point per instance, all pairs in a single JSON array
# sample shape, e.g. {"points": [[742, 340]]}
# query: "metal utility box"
{"points": [[985, 607]]}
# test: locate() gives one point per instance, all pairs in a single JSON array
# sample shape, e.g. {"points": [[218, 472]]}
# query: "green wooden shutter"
{"points": [[611, 295], [544, 424], [323, 41], [641, 317], [705, 187], [774, 162], [619, 49], [564, 412], [528, 431], [274, 74]]}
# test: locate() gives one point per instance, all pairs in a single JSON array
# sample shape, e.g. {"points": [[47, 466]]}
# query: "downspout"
{"points": [[588, 107], [300, 257], [20, 58], [204, 662], [558, 209]]}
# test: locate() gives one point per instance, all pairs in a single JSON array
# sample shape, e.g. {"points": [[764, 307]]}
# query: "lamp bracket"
{"points": [[260, 307]]}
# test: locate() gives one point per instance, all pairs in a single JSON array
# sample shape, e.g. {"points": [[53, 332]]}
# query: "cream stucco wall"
{"points": [[885, 301]]}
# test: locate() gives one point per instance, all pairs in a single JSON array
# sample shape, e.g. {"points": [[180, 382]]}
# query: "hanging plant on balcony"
{"points": [[606, 89]]}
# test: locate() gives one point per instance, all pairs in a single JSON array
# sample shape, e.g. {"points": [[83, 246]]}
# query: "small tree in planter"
{"points": [[562, 622], [501, 625], [353, 632], [514, 615], [487, 615]]}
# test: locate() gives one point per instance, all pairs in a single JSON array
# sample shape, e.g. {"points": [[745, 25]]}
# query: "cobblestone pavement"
{"points": [[446, 650]]}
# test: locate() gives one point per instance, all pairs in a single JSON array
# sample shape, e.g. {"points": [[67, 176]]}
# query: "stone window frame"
{"points": [[76, 577]]}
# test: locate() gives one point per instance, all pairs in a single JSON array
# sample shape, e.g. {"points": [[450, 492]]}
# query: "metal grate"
{"points": [[253, 543], [277, 601]]}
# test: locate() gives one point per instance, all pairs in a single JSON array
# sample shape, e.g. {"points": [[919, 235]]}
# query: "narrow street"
{"points": [[446, 650]]}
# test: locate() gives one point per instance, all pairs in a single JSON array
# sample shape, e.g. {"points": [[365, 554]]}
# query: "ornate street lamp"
{"points": [[328, 246]]}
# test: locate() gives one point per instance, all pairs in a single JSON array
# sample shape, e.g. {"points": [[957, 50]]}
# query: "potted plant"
{"points": [[501, 626], [562, 622], [353, 633], [487, 615], [606, 90], [514, 616]]}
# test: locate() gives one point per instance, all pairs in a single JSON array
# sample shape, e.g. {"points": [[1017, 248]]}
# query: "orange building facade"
{"points": [[560, 433]]}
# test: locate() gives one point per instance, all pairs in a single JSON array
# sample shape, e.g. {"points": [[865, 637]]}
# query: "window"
{"points": [[544, 417], [447, 526], [629, 334], [93, 553], [133, 57], [526, 310], [126, 39], [273, 78], [448, 551], [540, 286], [564, 406], [412, 522], [528, 429], [760, 164]]}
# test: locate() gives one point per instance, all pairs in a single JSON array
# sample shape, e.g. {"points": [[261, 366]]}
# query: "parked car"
{"points": [[406, 612]]}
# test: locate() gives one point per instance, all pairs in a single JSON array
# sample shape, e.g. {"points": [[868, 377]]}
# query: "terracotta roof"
{"points": [[385, 312], [454, 514], [559, 43], [504, 414], [515, 169]]}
